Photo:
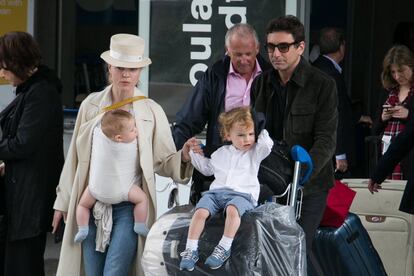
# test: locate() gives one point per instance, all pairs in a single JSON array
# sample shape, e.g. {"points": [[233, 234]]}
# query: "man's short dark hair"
{"points": [[289, 24], [330, 40]]}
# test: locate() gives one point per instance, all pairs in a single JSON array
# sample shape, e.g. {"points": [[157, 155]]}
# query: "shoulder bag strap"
{"points": [[122, 103]]}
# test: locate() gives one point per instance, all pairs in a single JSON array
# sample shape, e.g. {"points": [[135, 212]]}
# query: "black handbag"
{"points": [[276, 170]]}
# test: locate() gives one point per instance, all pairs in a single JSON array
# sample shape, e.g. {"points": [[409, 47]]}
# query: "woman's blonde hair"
{"points": [[398, 55], [242, 115]]}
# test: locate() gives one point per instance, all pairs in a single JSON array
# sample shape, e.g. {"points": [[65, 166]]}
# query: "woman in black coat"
{"points": [[31, 147], [399, 148]]}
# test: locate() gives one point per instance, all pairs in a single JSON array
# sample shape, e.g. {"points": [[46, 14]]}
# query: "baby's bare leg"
{"points": [[137, 196], [82, 215], [84, 208]]}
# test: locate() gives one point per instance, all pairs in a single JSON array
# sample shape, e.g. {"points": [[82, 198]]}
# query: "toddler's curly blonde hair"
{"points": [[242, 115]]}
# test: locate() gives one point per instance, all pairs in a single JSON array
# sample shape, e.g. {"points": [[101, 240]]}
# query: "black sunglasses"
{"points": [[282, 47]]}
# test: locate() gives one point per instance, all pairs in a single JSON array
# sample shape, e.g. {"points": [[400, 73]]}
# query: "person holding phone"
{"points": [[397, 78]]}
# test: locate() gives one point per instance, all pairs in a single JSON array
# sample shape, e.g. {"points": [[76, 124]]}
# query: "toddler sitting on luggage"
{"points": [[235, 189], [114, 174]]}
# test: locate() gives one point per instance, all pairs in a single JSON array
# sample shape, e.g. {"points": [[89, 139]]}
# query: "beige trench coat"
{"points": [[157, 154]]}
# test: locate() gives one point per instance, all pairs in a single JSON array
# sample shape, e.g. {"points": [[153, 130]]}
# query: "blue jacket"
{"points": [[205, 104]]}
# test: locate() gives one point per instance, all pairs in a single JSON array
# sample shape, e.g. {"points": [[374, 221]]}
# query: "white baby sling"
{"points": [[113, 168]]}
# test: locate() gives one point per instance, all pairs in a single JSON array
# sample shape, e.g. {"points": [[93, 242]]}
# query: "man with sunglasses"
{"points": [[300, 106], [225, 85]]}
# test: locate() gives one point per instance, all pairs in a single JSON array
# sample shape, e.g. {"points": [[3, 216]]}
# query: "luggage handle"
{"points": [[300, 155]]}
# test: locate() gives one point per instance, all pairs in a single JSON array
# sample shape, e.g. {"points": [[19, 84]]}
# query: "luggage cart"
{"points": [[294, 190], [269, 241]]}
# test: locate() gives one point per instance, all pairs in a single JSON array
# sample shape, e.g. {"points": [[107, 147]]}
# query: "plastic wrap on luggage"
{"points": [[268, 242]]}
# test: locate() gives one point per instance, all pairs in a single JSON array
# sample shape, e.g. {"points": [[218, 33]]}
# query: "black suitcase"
{"points": [[346, 250]]}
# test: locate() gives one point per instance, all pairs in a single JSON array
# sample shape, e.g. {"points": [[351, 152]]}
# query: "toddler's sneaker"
{"points": [[218, 257], [189, 259]]}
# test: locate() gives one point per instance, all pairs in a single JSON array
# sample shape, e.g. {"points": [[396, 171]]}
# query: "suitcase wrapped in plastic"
{"points": [[347, 250], [268, 242]]}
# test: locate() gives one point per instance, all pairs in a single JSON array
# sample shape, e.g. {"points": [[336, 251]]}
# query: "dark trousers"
{"points": [[2, 246], [25, 257], [313, 206]]}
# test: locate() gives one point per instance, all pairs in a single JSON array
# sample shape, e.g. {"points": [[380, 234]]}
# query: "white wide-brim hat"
{"points": [[126, 50]]}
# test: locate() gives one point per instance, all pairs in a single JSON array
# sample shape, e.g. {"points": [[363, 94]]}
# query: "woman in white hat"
{"points": [[156, 153]]}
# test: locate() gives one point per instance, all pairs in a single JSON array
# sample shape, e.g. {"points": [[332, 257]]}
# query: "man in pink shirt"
{"points": [[225, 85], [238, 87]]}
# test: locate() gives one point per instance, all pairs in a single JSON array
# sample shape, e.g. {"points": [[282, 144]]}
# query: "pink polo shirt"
{"points": [[237, 89]]}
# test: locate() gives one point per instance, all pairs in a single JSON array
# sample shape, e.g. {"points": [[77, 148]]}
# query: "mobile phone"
{"points": [[386, 106]]}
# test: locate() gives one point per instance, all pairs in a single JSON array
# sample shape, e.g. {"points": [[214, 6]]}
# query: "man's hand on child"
{"points": [[191, 144], [198, 147]]}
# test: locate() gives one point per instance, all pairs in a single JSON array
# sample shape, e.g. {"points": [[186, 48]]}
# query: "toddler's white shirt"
{"points": [[235, 169]]}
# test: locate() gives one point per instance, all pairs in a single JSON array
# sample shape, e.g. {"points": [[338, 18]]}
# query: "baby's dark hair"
{"points": [[114, 122], [242, 115]]}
